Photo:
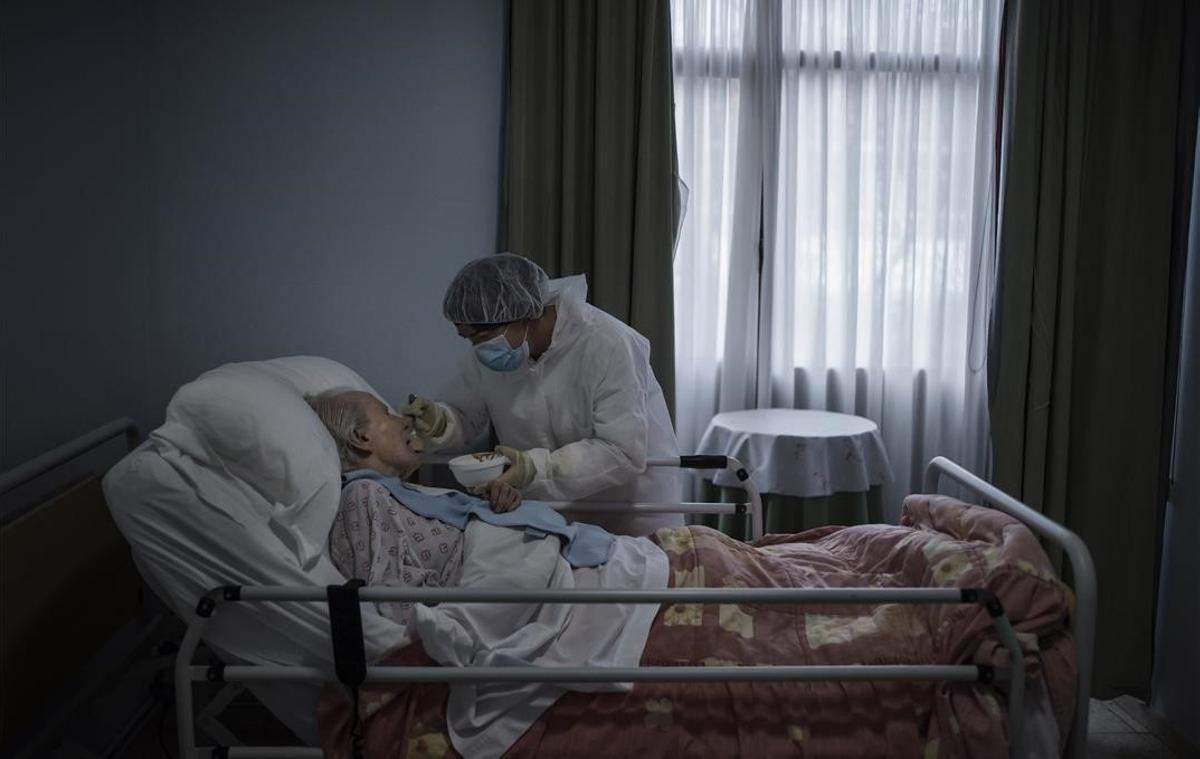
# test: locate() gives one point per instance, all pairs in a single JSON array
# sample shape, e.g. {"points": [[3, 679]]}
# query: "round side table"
{"points": [[814, 468]]}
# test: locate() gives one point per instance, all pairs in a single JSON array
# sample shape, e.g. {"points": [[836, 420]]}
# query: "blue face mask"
{"points": [[497, 355]]}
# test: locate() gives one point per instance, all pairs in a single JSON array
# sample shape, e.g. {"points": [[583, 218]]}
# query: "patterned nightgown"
{"points": [[376, 539]]}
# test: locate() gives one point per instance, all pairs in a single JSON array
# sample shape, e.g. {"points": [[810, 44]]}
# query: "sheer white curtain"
{"points": [[855, 140], [716, 266]]}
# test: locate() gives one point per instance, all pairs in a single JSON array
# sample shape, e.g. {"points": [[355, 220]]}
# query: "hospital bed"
{"points": [[271, 627]]}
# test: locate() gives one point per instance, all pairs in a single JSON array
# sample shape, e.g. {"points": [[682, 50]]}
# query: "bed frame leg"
{"points": [[209, 720]]}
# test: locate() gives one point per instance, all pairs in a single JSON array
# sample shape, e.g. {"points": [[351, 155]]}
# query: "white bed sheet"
{"points": [[486, 719]]}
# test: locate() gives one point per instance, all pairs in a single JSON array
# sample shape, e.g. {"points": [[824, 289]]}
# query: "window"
{"points": [[837, 249]]}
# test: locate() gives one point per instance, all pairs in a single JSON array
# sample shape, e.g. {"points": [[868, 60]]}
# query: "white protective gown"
{"points": [[589, 412]]}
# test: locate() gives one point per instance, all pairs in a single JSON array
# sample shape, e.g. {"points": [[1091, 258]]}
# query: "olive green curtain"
{"points": [[1096, 93], [590, 165]]}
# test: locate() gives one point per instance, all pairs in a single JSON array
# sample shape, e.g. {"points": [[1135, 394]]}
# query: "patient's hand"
{"points": [[501, 495]]}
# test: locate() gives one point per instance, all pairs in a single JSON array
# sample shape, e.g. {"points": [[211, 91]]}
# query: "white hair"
{"points": [[341, 413]]}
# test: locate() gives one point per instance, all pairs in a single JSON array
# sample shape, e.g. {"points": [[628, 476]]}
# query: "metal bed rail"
{"points": [[56, 457], [1082, 622], [1083, 573], [751, 508], [187, 673]]}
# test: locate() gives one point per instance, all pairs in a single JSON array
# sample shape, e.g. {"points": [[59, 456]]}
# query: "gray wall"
{"points": [[187, 184], [74, 175]]}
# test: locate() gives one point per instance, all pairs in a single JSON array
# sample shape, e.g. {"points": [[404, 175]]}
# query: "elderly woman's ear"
{"points": [[360, 439]]}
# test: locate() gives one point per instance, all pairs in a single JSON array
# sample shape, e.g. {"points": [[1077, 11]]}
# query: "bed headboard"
{"points": [[68, 585]]}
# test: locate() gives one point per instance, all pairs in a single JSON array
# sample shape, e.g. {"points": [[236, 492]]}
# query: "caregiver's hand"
{"points": [[500, 494], [521, 470], [429, 418]]}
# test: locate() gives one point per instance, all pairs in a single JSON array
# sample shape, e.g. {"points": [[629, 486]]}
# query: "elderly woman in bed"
{"points": [[374, 536]]}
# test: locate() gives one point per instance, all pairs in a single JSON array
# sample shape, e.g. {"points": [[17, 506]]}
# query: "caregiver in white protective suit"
{"points": [[567, 388]]}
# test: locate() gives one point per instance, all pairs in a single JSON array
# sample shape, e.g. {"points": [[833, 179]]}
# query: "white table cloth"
{"points": [[800, 453]]}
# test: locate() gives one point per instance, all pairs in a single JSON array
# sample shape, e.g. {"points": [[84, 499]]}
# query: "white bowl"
{"points": [[477, 468]]}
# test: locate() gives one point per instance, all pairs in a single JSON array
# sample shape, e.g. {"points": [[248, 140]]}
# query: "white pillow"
{"points": [[310, 374], [249, 423], [184, 549]]}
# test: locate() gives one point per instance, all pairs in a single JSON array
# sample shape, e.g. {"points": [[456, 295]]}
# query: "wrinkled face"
{"points": [[386, 435]]}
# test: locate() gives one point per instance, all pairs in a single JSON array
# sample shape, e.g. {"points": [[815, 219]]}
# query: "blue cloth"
{"points": [[584, 545]]}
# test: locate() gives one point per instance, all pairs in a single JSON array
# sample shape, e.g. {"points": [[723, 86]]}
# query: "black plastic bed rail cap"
{"points": [[205, 607], [985, 598], [703, 461]]}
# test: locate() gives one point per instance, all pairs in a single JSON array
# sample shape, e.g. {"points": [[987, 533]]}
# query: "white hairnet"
{"points": [[495, 290]]}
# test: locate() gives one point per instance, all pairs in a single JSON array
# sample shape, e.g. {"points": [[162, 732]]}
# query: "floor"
{"points": [[1123, 727]]}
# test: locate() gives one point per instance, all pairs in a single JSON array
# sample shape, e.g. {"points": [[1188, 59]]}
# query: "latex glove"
{"points": [[500, 494], [428, 420], [521, 470]]}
